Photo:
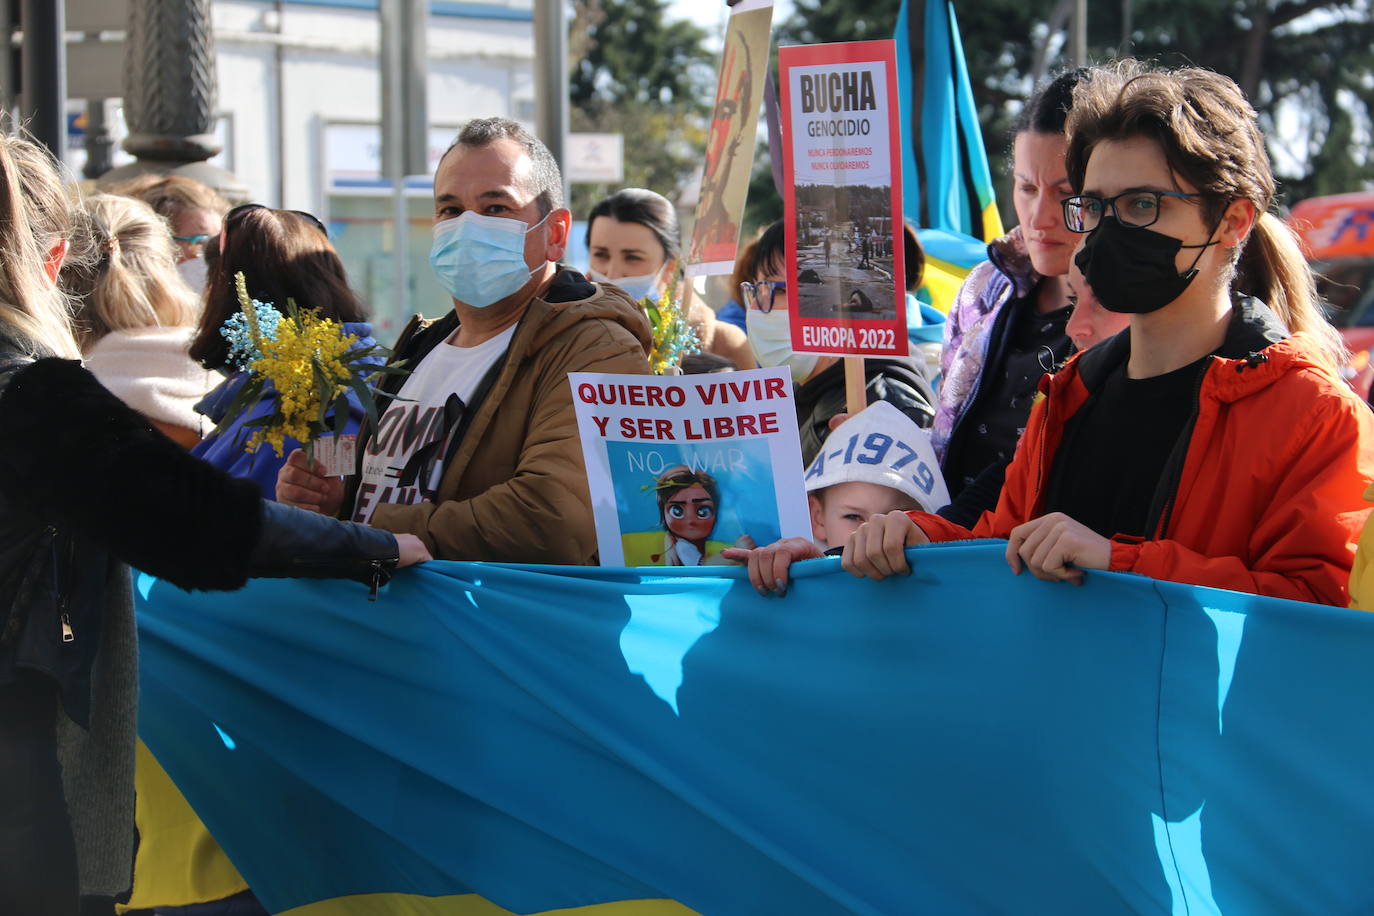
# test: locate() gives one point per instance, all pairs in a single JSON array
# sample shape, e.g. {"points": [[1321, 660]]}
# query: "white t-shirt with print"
{"points": [[416, 418]]}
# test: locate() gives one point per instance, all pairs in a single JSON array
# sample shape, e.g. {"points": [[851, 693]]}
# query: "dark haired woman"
{"points": [[283, 254], [1006, 327], [634, 243]]}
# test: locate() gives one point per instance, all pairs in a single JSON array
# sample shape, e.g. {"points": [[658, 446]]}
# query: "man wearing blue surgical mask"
{"points": [[476, 451]]}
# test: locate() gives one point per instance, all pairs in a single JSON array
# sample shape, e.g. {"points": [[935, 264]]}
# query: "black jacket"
{"points": [[900, 383], [86, 482]]}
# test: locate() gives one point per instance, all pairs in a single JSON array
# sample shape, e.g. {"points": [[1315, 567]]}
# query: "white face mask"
{"points": [[194, 273], [770, 334], [645, 286]]}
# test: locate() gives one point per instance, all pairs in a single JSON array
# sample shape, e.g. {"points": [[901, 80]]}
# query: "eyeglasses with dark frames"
{"points": [[1133, 209], [761, 294]]}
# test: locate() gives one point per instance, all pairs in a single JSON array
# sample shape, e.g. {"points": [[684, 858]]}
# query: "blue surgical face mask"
{"points": [[645, 286], [479, 259]]}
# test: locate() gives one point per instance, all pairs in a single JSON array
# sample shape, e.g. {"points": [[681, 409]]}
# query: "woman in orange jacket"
{"points": [[1213, 442]]}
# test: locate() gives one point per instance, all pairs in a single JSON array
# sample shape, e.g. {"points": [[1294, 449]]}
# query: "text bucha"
{"points": [[838, 93], [750, 422]]}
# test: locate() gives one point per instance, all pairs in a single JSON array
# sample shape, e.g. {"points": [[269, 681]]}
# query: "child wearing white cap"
{"points": [[875, 462]]}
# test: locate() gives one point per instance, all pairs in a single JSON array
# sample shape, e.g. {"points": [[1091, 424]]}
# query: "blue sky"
{"points": [[712, 13]]}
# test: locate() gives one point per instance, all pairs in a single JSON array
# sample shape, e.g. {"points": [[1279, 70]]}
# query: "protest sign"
{"points": [[730, 145], [681, 467], [842, 168]]}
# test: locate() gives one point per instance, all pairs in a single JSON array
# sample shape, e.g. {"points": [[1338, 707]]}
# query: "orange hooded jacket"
{"points": [[1262, 493]]}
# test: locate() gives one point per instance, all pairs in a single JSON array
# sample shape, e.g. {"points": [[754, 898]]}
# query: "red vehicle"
{"points": [[1338, 235]]}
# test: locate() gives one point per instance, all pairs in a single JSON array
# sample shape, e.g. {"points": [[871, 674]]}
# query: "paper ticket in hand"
{"points": [[338, 454]]}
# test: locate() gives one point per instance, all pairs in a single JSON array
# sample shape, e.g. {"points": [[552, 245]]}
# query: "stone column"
{"points": [[170, 95]]}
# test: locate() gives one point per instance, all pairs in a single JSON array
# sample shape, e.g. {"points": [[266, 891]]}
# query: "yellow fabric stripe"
{"points": [[992, 222], [178, 862], [942, 280], [472, 905]]}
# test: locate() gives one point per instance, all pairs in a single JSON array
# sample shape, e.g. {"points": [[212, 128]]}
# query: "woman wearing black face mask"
{"points": [[1214, 442]]}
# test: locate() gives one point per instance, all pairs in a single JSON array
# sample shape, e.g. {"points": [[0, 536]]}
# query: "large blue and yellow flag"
{"points": [[960, 741], [947, 187]]}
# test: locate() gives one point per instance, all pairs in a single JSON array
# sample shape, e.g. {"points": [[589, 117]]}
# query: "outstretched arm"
{"points": [[75, 456]]}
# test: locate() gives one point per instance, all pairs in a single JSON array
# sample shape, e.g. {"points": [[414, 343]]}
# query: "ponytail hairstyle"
{"points": [[35, 218], [1210, 137], [131, 281]]}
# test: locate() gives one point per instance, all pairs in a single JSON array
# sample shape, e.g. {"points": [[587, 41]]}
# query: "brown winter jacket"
{"points": [[513, 488]]}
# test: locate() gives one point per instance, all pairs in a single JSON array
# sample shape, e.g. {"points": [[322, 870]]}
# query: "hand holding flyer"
{"points": [[682, 467]]}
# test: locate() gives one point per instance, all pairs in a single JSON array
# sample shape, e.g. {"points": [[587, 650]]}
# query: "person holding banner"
{"points": [[86, 487], [819, 379], [1006, 327], [1214, 442]]}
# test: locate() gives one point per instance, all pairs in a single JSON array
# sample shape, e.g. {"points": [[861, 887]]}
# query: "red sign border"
{"points": [[849, 52]]}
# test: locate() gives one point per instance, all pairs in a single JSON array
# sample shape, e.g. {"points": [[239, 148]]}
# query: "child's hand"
{"points": [[768, 566], [878, 549]]}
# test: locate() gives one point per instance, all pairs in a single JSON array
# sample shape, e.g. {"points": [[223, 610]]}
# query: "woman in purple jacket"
{"points": [[1006, 327], [283, 254]]}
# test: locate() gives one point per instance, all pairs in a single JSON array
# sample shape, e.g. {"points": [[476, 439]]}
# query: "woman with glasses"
{"points": [[1006, 327], [283, 254], [819, 380], [1213, 442], [194, 211]]}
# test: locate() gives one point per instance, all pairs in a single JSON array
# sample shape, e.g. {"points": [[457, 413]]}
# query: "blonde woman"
{"points": [[87, 486], [137, 316]]}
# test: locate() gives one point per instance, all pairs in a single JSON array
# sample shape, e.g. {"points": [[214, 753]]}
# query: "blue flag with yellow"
{"points": [[956, 741], [947, 186]]}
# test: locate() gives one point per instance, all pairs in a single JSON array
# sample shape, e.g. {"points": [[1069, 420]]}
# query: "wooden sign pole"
{"points": [[855, 389]]}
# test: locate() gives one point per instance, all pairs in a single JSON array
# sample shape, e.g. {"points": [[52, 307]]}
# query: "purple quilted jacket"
{"points": [[1005, 275]]}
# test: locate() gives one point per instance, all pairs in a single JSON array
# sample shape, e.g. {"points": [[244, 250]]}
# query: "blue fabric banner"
{"points": [[959, 741]]}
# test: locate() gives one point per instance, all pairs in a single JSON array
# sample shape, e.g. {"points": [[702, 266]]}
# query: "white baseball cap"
{"points": [[881, 445]]}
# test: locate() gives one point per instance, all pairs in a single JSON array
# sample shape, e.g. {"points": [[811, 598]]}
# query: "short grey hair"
{"points": [[545, 180]]}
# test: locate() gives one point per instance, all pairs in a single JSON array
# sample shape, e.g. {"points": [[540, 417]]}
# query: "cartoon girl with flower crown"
{"points": [[688, 507]]}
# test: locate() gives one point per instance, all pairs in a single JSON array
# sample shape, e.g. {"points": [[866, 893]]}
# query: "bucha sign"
{"points": [[845, 268]]}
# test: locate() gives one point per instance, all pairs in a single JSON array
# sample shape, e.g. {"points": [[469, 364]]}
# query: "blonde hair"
{"points": [[172, 195], [1210, 137], [131, 281], [35, 217]]}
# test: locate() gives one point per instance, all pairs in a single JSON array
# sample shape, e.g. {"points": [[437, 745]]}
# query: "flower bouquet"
{"points": [[312, 364], [674, 338]]}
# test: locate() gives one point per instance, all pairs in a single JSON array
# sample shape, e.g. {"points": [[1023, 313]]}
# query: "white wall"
{"points": [[326, 59]]}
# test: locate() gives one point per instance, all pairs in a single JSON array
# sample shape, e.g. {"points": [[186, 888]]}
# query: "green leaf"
{"points": [[341, 412], [365, 397]]}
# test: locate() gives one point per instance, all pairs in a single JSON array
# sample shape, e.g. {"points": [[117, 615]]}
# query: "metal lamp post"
{"points": [[170, 94]]}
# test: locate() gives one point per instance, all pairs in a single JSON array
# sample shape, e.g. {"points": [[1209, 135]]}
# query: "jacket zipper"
{"points": [[68, 633], [377, 568]]}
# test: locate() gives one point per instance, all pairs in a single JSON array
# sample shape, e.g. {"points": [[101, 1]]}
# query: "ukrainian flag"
{"points": [[488, 739], [947, 187]]}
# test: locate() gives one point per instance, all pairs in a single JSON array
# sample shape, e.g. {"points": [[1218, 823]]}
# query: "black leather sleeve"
{"points": [[295, 543], [73, 455]]}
